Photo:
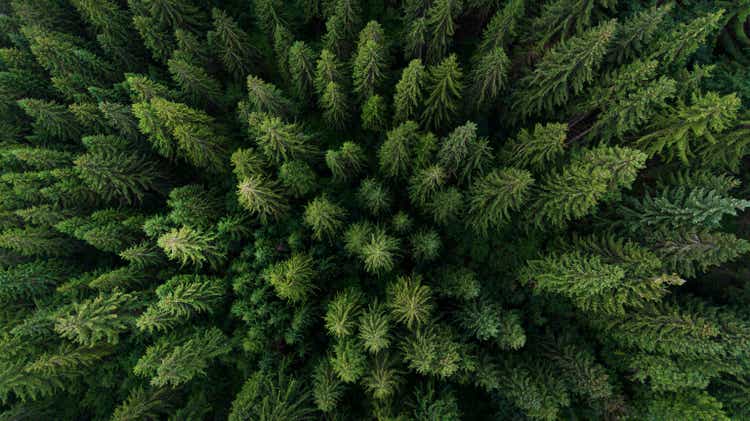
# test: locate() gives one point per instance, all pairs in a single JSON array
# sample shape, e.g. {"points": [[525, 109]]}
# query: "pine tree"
{"points": [[374, 327], [394, 153], [181, 298], [261, 197], [267, 395], [342, 313], [293, 278], [173, 365], [564, 71], [298, 177], [232, 44], [375, 114], [489, 77], [278, 140], [302, 69], [636, 33], [347, 162], [464, 154], [492, 197], [374, 196], [324, 217], [674, 131], [193, 246], [679, 44], [441, 24], [348, 360], [327, 388], [195, 82], [370, 61], [264, 97], [502, 28], [691, 252], [98, 320], [410, 301], [379, 252], [444, 90], [679, 208], [113, 172], [533, 149], [409, 91], [30, 280], [335, 105], [51, 120], [383, 379]]}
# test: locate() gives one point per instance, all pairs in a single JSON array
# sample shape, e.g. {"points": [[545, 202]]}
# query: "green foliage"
{"points": [[173, 365], [444, 89], [342, 313], [261, 197], [292, 278], [674, 131], [180, 298], [408, 96], [279, 141], [272, 396], [191, 245], [232, 45], [436, 210], [493, 196], [410, 301], [98, 320], [348, 360], [324, 217], [564, 71], [370, 61], [537, 148]]}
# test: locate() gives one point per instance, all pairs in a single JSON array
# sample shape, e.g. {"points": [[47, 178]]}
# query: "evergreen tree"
{"points": [[409, 92], [493, 197], [231, 44], [564, 71], [370, 61], [444, 90], [542, 254]]}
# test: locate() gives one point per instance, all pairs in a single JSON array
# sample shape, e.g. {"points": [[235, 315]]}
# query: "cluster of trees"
{"points": [[389, 209]]}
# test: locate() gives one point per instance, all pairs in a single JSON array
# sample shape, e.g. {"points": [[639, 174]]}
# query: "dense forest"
{"points": [[283, 210]]}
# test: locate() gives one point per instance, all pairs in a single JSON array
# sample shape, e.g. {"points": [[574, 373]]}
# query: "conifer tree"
{"points": [[173, 365], [370, 61], [264, 97], [707, 116], [261, 197], [324, 217], [538, 147], [191, 245], [541, 254], [301, 64], [293, 278], [278, 140], [180, 298], [409, 91], [440, 21], [111, 171], [493, 197], [347, 162], [232, 44], [98, 320], [195, 82], [564, 71], [444, 90], [489, 76]]}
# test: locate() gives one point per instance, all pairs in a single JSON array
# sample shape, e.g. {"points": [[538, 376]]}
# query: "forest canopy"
{"points": [[283, 210]]}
